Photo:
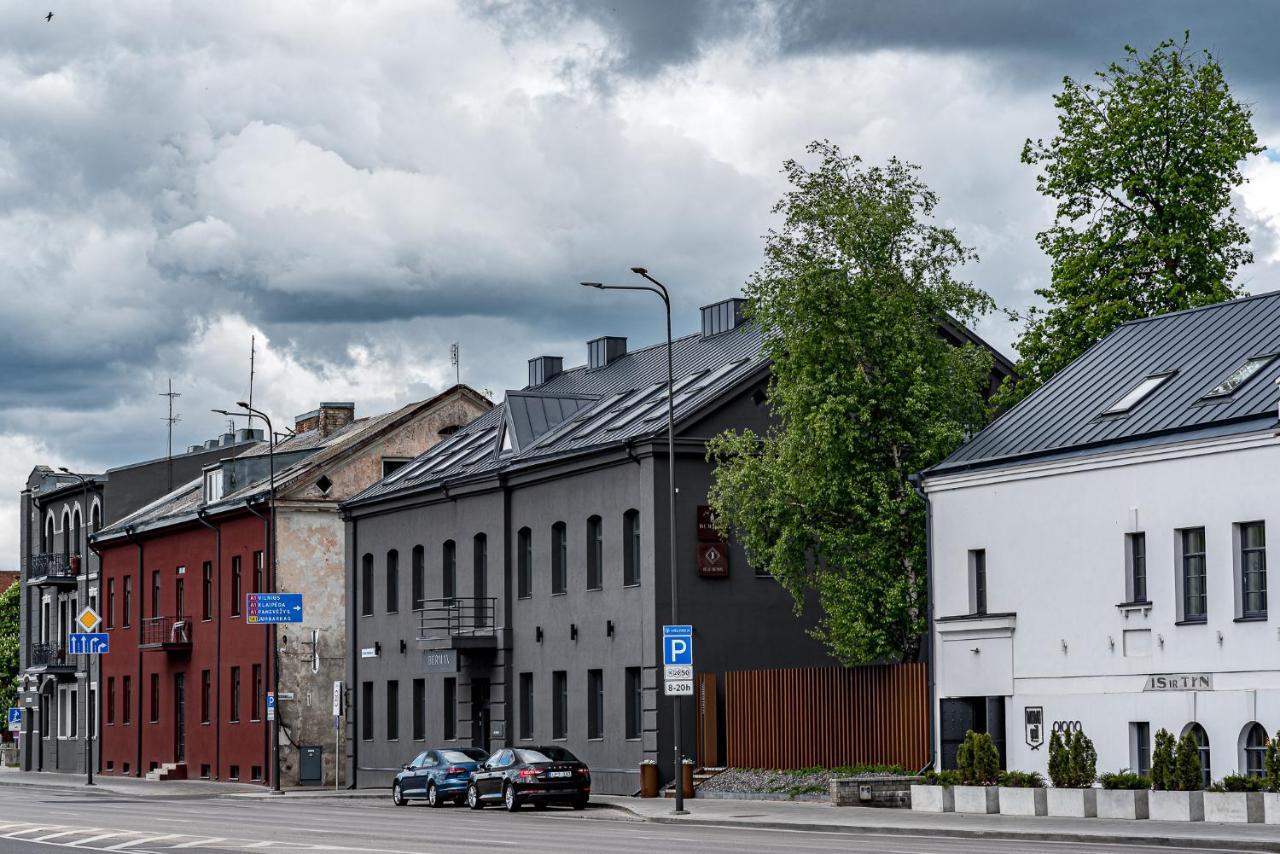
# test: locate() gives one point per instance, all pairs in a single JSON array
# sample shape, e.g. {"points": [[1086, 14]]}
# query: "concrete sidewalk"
{"points": [[775, 815], [139, 788]]}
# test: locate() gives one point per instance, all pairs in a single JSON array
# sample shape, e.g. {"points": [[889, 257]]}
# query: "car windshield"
{"points": [[471, 755], [546, 754]]}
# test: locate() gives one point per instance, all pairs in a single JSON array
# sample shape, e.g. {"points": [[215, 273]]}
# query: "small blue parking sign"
{"points": [[677, 645], [15, 718]]}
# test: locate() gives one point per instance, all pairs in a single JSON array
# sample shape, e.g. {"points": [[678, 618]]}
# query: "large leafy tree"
{"points": [[853, 287], [10, 609], [1142, 170]]}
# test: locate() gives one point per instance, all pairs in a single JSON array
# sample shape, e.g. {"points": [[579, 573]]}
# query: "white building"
{"points": [[1099, 552]]}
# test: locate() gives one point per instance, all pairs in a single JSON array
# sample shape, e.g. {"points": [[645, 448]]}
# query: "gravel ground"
{"points": [[757, 780]]}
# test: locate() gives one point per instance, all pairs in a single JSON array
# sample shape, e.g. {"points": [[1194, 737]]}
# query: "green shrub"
{"points": [[942, 778], [1240, 783], [1271, 761], [1187, 769], [1124, 780], [977, 759], [1162, 777], [1059, 772], [1082, 760], [1021, 779]]}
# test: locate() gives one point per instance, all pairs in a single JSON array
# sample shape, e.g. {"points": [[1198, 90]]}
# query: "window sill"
{"points": [[1251, 618], [594, 589], [1194, 621], [561, 593], [597, 738], [526, 596]]}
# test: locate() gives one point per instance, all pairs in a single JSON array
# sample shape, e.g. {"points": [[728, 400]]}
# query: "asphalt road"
{"points": [[35, 820]]}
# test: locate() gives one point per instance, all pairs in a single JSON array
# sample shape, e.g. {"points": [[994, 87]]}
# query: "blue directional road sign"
{"points": [[267, 608], [15, 718], [677, 645], [88, 643]]}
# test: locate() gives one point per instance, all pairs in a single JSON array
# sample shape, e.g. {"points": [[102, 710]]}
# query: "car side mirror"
{"points": [[406, 767]]}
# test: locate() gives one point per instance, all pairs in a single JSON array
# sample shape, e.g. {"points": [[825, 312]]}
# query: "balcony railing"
{"points": [[54, 568], [458, 622], [168, 633], [49, 655]]}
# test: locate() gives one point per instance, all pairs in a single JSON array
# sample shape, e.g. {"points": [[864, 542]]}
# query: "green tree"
{"points": [[1082, 760], [1059, 761], [1272, 762], [1142, 171], [1187, 768], [1162, 762], [865, 392], [10, 610]]}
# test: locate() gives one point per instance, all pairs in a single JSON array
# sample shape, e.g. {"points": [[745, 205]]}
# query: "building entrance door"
{"points": [[179, 717], [480, 713]]}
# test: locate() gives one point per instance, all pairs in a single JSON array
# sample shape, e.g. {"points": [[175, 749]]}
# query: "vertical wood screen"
{"points": [[827, 716]]}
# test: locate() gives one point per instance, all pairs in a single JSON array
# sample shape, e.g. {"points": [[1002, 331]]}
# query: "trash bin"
{"points": [[687, 776], [648, 779]]}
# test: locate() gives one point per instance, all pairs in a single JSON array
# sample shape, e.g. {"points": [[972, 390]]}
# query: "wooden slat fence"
{"points": [[827, 716]]}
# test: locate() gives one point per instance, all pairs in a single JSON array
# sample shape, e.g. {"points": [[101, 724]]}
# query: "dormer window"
{"points": [[1240, 376], [212, 486], [1138, 393]]}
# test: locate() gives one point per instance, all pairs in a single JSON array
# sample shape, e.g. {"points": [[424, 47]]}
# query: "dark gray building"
{"points": [[59, 576]]}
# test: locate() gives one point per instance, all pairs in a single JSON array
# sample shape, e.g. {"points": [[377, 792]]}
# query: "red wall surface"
{"points": [[229, 749]]}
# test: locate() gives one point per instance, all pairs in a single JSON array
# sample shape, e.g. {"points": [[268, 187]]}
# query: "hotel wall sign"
{"points": [[713, 551], [1179, 682]]}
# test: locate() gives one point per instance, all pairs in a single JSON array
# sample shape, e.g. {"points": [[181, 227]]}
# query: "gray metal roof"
{"points": [[1199, 348], [622, 401]]}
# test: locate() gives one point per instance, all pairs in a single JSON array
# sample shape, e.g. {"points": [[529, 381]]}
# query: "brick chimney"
{"points": [[329, 418]]}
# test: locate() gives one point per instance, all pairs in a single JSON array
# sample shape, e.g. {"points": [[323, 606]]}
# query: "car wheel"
{"points": [[510, 799], [397, 796], [473, 797], [579, 803], [433, 797]]}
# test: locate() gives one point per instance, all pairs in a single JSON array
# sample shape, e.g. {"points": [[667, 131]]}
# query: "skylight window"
{"points": [[1137, 394], [1240, 376]]}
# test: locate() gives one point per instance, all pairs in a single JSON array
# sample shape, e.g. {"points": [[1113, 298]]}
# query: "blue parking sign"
{"points": [[677, 645], [15, 718]]}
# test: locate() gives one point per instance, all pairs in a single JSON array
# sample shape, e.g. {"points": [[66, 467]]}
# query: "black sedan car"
{"points": [[437, 776], [514, 776]]}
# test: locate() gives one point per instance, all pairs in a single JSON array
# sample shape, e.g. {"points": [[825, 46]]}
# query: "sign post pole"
{"points": [[87, 620], [337, 733]]}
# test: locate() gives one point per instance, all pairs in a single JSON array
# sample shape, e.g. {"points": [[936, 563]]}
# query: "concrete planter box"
{"points": [[1233, 807], [1128, 804], [933, 799], [1073, 803], [983, 800], [1015, 801], [1176, 806], [1271, 807]]}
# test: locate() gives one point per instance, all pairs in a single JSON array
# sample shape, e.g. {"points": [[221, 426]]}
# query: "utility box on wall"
{"points": [[310, 766]]}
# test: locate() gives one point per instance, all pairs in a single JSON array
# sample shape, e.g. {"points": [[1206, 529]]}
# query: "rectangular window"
{"points": [[393, 710], [1140, 746], [526, 705], [419, 709], [449, 570], [480, 579], [111, 699], [255, 703], [1253, 570], [595, 553], [126, 700], [595, 704], [1195, 604], [631, 548], [524, 564], [236, 585], [206, 695], [366, 711], [234, 772], [206, 591], [127, 610], [419, 580], [155, 698], [559, 559], [259, 574], [180, 596], [110, 616], [559, 704], [978, 581], [155, 593], [635, 701], [393, 581], [235, 695], [366, 586], [1137, 560], [450, 695]]}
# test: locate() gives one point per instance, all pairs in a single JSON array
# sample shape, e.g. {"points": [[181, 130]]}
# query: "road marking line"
{"points": [[15, 833], [200, 843], [100, 836], [138, 843], [65, 833]]}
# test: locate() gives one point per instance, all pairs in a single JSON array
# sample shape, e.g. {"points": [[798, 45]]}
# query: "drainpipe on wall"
{"points": [[916, 480], [202, 515]]}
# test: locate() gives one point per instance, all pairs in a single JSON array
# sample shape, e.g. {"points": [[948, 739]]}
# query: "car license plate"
{"points": [[559, 773]]}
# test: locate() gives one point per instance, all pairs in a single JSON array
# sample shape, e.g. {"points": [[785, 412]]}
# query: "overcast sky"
{"points": [[361, 184]]}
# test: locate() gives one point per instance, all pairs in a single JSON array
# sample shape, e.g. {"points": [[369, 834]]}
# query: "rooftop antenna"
{"points": [[453, 360], [253, 352], [170, 420]]}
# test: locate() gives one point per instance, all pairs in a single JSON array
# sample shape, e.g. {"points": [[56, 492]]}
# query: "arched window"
{"points": [[449, 570], [1202, 739], [95, 518], [75, 531], [47, 546], [524, 563], [559, 559], [393, 581], [66, 532], [631, 548], [595, 553], [1253, 747]]}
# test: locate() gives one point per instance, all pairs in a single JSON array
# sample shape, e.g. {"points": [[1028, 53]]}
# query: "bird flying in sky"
{"points": [[48, 17]]}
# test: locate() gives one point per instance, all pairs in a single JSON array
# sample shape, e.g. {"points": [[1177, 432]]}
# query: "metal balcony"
{"points": [[169, 634], [54, 570], [459, 623], [51, 658]]}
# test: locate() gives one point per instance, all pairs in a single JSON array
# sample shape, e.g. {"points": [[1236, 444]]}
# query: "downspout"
{"points": [[201, 514], [266, 638], [917, 483]]}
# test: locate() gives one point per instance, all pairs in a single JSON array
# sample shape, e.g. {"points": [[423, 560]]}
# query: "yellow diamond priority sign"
{"points": [[88, 619]]}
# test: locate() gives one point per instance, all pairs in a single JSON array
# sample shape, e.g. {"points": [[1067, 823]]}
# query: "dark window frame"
{"points": [[366, 711], [635, 703], [206, 590], [449, 569], [418, 578], [559, 559], [233, 712], [237, 585], [206, 696], [366, 585], [631, 548], [449, 697], [1253, 568], [526, 706], [419, 701], [393, 710], [1195, 577], [595, 553], [524, 563], [559, 705], [595, 704], [392, 591], [255, 702]]}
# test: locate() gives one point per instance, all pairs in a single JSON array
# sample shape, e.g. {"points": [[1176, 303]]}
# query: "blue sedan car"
{"points": [[437, 776]]}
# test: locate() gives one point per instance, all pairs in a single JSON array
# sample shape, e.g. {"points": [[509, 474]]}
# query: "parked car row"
{"points": [[510, 776]]}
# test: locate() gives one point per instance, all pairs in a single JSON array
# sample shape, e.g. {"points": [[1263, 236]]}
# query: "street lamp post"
{"points": [[271, 584], [89, 729], [656, 287]]}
